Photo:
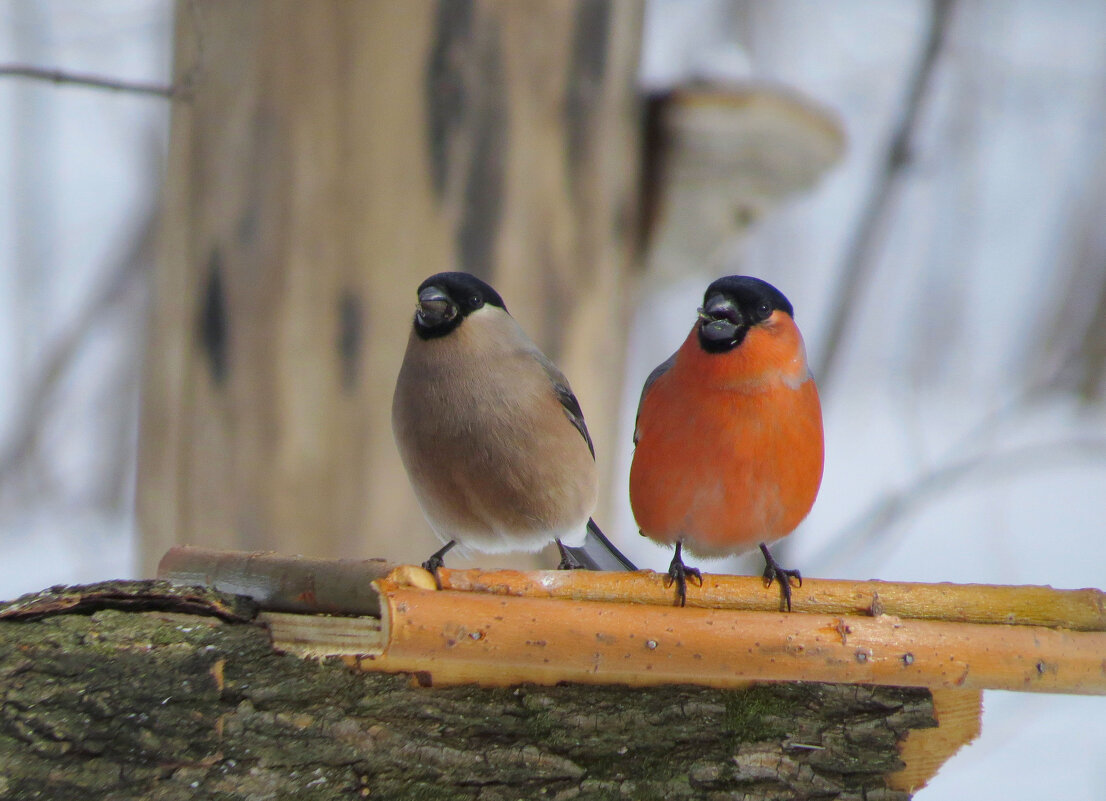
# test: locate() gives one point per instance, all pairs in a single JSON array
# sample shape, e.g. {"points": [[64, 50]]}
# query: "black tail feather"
{"points": [[598, 553]]}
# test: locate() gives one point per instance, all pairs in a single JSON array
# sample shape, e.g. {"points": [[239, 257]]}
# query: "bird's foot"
{"points": [[437, 560], [568, 561], [773, 572], [679, 573]]}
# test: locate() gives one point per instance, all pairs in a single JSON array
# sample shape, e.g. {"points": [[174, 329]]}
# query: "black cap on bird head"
{"points": [[734, 304], [446, 299]]}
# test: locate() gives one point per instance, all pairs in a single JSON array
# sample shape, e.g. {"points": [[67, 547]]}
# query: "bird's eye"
{"points": [[764, 310], [476, 301]]}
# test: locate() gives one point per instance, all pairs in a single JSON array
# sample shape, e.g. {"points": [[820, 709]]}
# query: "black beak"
{"points": [[720, 319], [434, 308]]}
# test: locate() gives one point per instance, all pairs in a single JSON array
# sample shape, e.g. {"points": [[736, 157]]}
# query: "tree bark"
{"points": [[329, 157], [110, 692]]}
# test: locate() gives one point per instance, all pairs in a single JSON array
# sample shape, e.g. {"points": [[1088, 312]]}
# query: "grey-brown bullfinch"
{"points": [[492, 437]]}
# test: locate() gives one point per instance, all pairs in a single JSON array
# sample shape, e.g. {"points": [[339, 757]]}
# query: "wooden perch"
{"points": [[505, 627], [116, 692], [498, 639], [1079, 610]]}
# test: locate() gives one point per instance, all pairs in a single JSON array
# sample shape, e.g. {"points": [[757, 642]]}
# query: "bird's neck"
{"points": [[767, 358]]}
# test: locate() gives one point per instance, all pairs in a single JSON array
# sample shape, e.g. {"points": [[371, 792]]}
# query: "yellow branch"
{"points": [[1078, 610], [502, 637]]}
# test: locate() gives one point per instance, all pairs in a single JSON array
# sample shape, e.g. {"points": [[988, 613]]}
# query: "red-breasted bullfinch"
{"points": [[729, 434], [492, 437]]}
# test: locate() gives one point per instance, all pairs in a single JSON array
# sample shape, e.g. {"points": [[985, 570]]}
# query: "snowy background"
{"points": [[966, 429]]}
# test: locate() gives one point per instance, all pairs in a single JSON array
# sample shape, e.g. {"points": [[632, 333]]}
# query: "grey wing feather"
{"points": [[568, 400], [597, 552], [658, 371]]}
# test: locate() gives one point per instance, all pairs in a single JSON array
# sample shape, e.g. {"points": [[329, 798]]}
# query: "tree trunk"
{"points": [[113, 692], [330, 156]]}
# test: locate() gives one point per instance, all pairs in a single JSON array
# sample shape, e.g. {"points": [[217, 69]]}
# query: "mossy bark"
{"points": [[108, 700]]}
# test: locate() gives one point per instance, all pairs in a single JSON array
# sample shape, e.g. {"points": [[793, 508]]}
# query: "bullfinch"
{"points": [[728, 442], [492, 437]]}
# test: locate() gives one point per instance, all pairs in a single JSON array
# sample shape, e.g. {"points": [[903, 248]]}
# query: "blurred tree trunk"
{"points": [[330, 156]]}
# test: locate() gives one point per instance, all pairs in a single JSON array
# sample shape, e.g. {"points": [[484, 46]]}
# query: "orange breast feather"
{"points": [[729, 450]]}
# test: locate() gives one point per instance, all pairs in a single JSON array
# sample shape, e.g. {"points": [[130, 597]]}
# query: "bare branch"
{"points": [[860, 255], [173, 92], [181, 89], [29, 420], [895, 506]]}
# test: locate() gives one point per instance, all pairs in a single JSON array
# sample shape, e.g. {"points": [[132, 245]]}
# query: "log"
{"points": [[280, 583], [108, 698]]}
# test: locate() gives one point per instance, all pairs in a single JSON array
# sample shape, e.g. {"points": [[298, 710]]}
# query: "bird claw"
{"points": [[773, 572], [679, 573], [437, 560]]}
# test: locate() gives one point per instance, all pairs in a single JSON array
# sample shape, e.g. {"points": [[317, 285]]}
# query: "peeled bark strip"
{"points": [[164, 705], [137, 596]]}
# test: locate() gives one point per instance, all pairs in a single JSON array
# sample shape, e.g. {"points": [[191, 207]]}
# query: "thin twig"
{"points": [[1071, 353], [878, 518], [893, 507], [30, 418], [860, 255], [172, 92]]}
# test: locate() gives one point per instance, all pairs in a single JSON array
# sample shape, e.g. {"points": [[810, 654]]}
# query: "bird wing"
{"points": [[658, 371], [568, 400], [597, 552]]}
